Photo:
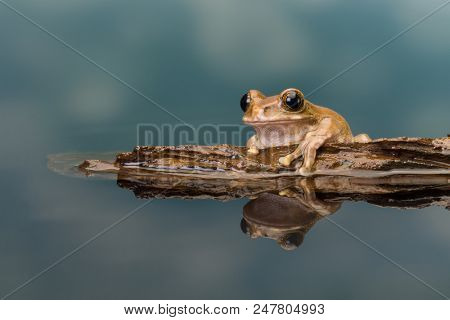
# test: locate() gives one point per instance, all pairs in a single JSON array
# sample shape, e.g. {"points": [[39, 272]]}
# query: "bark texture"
{"points": [[378, 155]]}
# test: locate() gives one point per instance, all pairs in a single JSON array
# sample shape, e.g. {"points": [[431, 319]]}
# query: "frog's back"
{"points": [[343, 132]]}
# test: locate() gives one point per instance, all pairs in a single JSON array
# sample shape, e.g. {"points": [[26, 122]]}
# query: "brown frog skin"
{"points": [[287, 119]]}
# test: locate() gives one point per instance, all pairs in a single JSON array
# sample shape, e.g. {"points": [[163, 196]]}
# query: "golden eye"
{"points": [[293, 100]]}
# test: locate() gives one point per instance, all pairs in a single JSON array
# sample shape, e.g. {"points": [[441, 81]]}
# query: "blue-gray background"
{"points": [[196, 58]]}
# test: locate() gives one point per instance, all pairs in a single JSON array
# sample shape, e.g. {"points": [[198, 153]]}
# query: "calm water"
{"points": [[196, 58]]}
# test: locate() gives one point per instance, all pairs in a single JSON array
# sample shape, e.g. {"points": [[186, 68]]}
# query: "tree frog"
{"points": [[288, 119]]}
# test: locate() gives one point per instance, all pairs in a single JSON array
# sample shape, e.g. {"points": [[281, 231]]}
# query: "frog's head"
{"points": [[284, 108]]}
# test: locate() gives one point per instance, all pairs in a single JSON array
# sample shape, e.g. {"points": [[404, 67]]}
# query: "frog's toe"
{"points": [[362, 138], [285, 161], [305, 171], [286, 193], [252, 151]]}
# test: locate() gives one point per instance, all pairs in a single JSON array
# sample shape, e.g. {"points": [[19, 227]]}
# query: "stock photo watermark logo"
{"points": [[153, 135], [167, 136], [149, 134]]}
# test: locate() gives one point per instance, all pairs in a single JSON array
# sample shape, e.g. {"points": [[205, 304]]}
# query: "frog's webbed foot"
{"points": [[287, 160], [306, 149], [305, 171], [289, 193], [362, 138], [252, 151]]}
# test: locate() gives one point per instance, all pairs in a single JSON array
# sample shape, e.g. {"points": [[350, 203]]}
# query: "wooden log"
{"points": [[419, 155]]}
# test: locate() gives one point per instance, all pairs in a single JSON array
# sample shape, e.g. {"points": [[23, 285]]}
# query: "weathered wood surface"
{"points": [[378, 155]]}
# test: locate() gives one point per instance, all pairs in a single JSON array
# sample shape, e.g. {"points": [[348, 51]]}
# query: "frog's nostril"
{"points": [[267, 109]]}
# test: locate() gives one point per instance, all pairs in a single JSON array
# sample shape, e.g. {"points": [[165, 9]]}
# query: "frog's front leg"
{"points": [[308, 147], [310, 151], [287, 160], [307, 196], [252, 148]]}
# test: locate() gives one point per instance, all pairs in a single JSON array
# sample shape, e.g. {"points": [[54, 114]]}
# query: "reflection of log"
{"points": [[402, 192], [379, 155]]}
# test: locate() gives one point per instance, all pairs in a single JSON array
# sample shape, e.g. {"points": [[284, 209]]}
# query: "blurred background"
{"points": [[196, 58]]}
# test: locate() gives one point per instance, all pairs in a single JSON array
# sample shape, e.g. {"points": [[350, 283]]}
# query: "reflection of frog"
{"points": [[287, 119], [286, 217]]}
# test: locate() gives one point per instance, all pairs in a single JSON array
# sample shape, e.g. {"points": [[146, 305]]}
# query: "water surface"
{"points": [[196, 59]]}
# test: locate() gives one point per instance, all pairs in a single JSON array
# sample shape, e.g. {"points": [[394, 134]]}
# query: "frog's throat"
{"points": [[279, 134]]}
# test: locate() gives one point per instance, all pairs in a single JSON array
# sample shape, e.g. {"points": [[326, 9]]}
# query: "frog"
{"points": [[288, 118]]}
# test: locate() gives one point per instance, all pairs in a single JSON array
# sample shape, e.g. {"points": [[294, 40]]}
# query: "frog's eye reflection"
{"points": [[291, 241], [293, 101], [245, 102], [244, 227]]}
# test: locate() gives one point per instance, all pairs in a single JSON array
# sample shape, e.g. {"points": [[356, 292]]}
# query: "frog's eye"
{"points": [[245, 102], [293, 100]]}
